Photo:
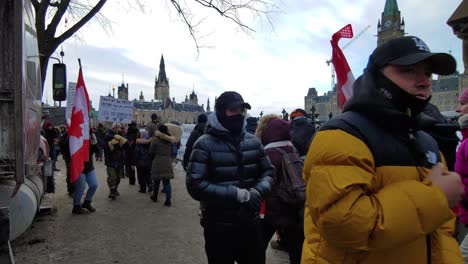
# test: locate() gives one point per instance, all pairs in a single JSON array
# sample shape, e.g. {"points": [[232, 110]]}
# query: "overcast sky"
{"points": [[271, 68]]}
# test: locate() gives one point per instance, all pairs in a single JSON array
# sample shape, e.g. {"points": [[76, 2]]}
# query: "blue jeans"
{"points": [[166, 188], [80, 186]]}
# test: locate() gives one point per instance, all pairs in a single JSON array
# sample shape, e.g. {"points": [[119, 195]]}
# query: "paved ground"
{"points": [[132, 229]]}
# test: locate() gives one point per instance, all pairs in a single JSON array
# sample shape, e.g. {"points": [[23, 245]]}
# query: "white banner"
{"points": [[188, 128], [70, 100], [115, 110]]}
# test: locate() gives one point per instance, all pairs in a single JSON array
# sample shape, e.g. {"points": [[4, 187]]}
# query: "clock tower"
{"points": [[391, 25]]}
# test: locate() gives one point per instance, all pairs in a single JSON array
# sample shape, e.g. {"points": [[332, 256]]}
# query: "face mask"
{"points": [[234, 123], [398, 97]]}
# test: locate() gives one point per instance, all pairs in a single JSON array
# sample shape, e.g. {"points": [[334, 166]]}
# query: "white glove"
{"points": [[243, 195]]}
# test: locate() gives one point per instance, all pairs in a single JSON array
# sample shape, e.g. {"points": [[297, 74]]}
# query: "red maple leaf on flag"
{"points": [[77, 118]]}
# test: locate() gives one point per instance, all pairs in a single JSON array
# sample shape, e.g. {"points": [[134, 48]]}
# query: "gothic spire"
{"points": [[391, 7], [162, 71]]}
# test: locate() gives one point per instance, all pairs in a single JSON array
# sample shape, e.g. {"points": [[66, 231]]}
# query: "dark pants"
{"points": [[144, 177], [113, 177], [130, 173], [70, 186], [240, 243], [98, 153], [292, 238], [166, 187]]}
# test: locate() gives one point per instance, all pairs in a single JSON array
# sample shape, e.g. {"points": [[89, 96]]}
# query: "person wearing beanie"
{"points": [[131, 135], [461, 166], [143, 162], [152, 127], [378, 190], [230, 174], [301, 131], [298, 113], [281, 216], [463, 102], [251, 125], [197, 132]]}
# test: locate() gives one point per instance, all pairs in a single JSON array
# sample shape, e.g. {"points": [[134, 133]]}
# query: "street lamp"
{"points": [[284, 113], [312, 109], [261, 114]]}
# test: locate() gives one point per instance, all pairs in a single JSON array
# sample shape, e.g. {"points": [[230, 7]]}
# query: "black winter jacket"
{"points": [[143, 158], [301, 133], [114, 158], [219, 163], [197, 132]]}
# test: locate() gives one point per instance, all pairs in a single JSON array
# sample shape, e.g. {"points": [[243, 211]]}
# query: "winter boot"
{"points": [[167, 203], [154, 198], [77, 209], [112, 194], [87, 205], [55, 168]]}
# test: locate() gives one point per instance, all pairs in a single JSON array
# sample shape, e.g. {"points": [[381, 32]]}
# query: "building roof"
{"points": [[445, 84], [391, 7], [158, 106], [460, 15], [312, 92]]}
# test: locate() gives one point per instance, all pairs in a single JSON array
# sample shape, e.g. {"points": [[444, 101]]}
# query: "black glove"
{"points": [[255, 200], [464, 204]]}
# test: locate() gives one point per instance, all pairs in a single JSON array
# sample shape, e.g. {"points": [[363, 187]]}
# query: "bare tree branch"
{"points": [[80, 12], [83, 21], [229, 9]]}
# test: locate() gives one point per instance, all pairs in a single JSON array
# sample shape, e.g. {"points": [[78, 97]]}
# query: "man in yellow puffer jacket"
{"points": [[377, 190]]}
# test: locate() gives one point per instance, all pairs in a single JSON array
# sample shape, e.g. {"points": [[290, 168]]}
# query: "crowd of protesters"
{"points": [[382, 182]]}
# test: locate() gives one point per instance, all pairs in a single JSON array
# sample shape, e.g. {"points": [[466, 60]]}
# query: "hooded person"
{"points": [[230, 175], [377, 190], [301, 131], [197, 132]]}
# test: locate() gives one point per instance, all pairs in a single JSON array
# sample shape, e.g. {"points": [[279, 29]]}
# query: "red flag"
{"points": [[344, 89], [78, 132]]}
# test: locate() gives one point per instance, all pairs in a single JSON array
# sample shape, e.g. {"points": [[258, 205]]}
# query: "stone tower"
{"points": [[142, 98], [122, 91], [391, 25], [193, 98], [161, 86]]}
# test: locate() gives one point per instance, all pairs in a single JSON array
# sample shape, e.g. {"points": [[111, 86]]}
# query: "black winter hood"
{"points": [[374, 103]]}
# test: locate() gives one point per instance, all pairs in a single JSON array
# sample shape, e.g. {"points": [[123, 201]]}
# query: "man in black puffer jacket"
{"points": [[230, 175]]}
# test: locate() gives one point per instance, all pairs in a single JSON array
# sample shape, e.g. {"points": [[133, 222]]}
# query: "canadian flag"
{"points": [[344, 89], [78, 132]]}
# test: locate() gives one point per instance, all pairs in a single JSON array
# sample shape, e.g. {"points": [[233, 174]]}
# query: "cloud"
{"points": [[272, 68]]}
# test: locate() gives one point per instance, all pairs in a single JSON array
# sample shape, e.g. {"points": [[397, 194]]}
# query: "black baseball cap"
{"points": [[411, 50], [230, 100]]}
